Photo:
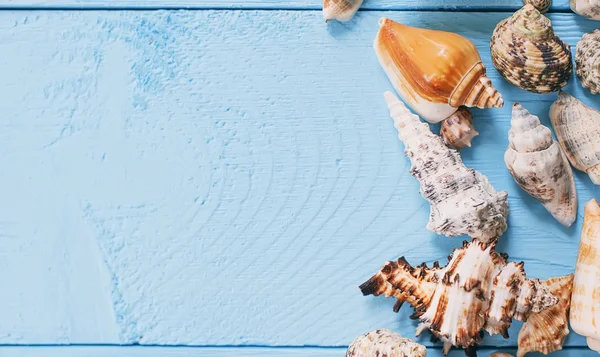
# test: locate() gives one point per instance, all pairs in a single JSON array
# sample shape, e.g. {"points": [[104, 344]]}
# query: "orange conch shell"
{"points": [[435, 72]]}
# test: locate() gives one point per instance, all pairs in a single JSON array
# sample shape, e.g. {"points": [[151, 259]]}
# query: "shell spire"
{"points": [[384, 342], [462, 200], [577, 128], [341, 10], [435, 72], [477, 290], [541, 5], [539, 166], [585, 305], [587, 60]]}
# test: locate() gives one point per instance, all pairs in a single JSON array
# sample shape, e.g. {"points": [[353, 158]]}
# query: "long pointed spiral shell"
{"points": [[587, 61], [458, 130], [462, 200], [541, 5], [547, 330], [435, 72], [577, 128], [586, 8], [539, 166], [341, 10], [528, 53], [585, 301], [384, 342], [477, 290]]}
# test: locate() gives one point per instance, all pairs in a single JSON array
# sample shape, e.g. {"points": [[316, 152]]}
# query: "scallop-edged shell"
{"points": [[341, 10], [539, 166], [585, 302], [587, 61], [577, 128], [528, 53], [478, 290], [541, 5], [384, 342], [547, 330], [435, 72], [586, 8], [462, 200], [458, 130]]}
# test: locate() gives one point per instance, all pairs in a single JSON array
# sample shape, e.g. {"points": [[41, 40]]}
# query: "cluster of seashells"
{"points": [[479, 290]]}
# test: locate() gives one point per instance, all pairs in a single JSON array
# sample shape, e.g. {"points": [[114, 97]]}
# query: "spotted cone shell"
{"points": [[542, 5], [341, 10], [384, 342], [586, 8], [587, 61], [547, 330], [528, 53]]}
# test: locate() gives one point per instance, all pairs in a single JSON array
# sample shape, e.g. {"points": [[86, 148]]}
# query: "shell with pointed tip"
{"points": [[587, 61], [539, 166], [435, 72], [586, 8], [542, 5], [477, 290], [462, 200], [528, 54], [458, 130], [547, 330], [384, 342], [585, 303], [577, 128], [341, 10]]}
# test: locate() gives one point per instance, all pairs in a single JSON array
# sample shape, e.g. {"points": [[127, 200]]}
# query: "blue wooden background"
{"points": [[219, 180]]}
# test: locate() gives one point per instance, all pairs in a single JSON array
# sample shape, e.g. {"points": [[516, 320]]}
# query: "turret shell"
{"points": [[384, 342], [458, 130], [462, 200], [541, 5], [587, 61], [528, 53], [577, 128], [341, 10], [539, 166], [435, 72], [586, 8]]}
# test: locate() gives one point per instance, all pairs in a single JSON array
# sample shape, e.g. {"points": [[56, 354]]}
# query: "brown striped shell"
{"points": [[587, 61], [542, 5], [528, 53], [478, 290], [384, 342]]}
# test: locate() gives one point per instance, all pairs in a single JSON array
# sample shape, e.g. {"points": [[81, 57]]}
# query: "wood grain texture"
{"points": [[460, 5], [226, 177]]}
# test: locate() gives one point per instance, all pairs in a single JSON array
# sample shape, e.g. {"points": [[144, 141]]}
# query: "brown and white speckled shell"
{"points": [[384, 342], [577, 128], [586, 8], [478, 290], [341, 10], [458, 130], [528, 53], [587, 61], [547, 330], [462, 200], [542, 5], [539, 166]]}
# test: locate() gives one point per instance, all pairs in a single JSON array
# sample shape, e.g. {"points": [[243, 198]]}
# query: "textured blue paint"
{"points": [[225, 178]]}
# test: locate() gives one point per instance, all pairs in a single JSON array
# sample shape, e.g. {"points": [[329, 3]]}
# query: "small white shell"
{"points": [[384, 342], [586, 8], [341, 10]]}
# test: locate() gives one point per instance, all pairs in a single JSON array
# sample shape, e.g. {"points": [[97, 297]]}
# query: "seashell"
{"points": [[539, 166], [478, 290], [384, 342], [341, 10], [587, 60], [577, 128], [541, 5], [585, 303], [501, 354], [547, 330], [586, 8], [435, 72], [528, 54], [457, 130], [462, 200]]}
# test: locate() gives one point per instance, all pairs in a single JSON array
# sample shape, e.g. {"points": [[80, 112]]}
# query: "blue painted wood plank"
{"points": [[225, 177], [471, 5]]}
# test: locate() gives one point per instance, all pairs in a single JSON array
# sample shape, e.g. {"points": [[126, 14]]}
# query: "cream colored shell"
{"points": [[587, 61], [462, 200], [384, 342], [577, 128], [586, 8], [539, 166], [585, 300], [542, 5], [341, 10], [458, 130]]}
